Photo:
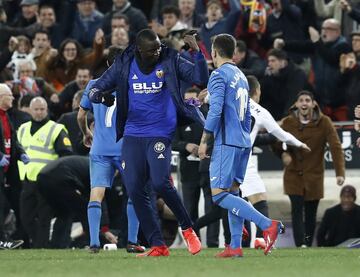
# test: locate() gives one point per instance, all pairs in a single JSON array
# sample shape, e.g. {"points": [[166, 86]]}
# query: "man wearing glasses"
{"points": [[325, 49]]}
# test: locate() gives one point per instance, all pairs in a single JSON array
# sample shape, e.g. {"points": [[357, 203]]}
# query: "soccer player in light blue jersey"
{"points": [[105, 158], [229, 121]]}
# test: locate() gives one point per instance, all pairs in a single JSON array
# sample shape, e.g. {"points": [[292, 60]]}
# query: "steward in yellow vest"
{"points": [[44, 141]]}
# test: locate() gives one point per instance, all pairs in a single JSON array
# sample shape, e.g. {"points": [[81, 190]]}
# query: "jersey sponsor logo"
{"points": [[161, 156], [154, 87], [134, 77], [159, 73], [159, 147]]}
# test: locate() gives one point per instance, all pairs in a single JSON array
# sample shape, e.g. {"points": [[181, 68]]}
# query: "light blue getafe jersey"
{"points": [[104, 140], [229, 115]]}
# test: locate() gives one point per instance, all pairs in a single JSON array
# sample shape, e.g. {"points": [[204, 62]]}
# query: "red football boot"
{"points": [[155, 251], [192, 241], [229, 252], [271, 234]]}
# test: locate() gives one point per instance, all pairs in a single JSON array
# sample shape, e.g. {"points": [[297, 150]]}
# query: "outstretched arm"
{"points": [[273, 128]]}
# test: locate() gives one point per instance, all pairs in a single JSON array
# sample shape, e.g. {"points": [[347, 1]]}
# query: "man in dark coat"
{"points": [[10, 152], [342, 221]]}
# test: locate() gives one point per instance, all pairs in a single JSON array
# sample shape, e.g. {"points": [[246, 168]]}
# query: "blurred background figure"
{"points": [[342, 221]]}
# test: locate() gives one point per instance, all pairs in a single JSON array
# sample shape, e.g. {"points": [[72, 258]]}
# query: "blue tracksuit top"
{"points": [[175, 68]]}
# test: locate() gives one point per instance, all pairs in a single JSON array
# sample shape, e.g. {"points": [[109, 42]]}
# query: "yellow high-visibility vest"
{"points": [[39, 147]]}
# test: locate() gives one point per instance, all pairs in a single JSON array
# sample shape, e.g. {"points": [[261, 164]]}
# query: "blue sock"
{"points": [[133, 222], [94, 216], [237, 205], [236, 224]]}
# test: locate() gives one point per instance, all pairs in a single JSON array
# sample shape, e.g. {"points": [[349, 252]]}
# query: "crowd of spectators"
{"points": [[53, 48]]}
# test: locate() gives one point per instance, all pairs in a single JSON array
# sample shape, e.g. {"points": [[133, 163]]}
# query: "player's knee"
{"points": [[218, 195], [235, 187], [97, 194]]}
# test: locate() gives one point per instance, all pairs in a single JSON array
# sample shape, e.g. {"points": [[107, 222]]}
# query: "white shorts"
{"points": [[252, 183]]}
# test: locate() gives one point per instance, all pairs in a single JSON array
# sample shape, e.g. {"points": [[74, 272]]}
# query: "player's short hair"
{"points": [[171, 9], [114, 51], [145, 35], [305, 92], [241, 46], [225, 45], [253, 84], [278, 53]]}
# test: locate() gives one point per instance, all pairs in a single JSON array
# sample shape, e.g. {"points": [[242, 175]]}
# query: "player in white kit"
{"points": [[253, 187]]}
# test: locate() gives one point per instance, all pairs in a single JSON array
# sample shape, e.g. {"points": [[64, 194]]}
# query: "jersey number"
{"points": [[109, 114], [243, 95]]}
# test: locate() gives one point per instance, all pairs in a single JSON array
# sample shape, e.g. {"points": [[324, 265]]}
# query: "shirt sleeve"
{"points": [[216, 90], [62, 144], [273, 128], [85, 102]]}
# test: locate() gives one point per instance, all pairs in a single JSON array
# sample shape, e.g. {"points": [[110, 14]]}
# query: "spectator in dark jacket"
{"points": [[248, 61], [349, 83], [281, 83], [69, 120], [188, 15], [353, 12], [119, 20], [284, 21], [87, 21], [29, 9], [136, 17], [355, 43], [10, 152], [57, 32], [83, 76], [342, 221], [217, 23], [325, 50]]}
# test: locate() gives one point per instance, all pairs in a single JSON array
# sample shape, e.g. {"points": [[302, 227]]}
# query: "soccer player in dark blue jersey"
{"points": [[147, 80], [229, 120], [105, 159]]}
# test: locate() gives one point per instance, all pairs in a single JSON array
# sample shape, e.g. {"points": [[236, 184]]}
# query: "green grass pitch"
{"points": [[282, 262]]}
